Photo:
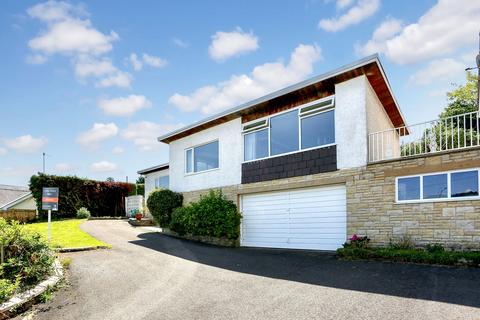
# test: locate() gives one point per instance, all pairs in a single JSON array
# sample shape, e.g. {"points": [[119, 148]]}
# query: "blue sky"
{"points": [[93, 83]]}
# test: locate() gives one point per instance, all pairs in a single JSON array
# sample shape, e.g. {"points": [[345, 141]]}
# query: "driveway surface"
{"points": [[151, 276]]}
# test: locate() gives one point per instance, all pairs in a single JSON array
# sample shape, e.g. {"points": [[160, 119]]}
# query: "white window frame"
{"points": [[449, 187], [307, 114], [193, 158]]}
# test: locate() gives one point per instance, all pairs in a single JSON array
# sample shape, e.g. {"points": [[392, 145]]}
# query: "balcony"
{"points": [[444, 134]]}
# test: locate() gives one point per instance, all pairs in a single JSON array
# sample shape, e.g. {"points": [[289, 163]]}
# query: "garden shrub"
{"points": [[404, 242], [27, 258], [357, 242], [434, 247], [83, 213], [161, 204], [101, 198], [213, 215]]}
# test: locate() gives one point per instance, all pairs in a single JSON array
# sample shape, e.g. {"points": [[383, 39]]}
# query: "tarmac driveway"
{"points": [[151, 276]]}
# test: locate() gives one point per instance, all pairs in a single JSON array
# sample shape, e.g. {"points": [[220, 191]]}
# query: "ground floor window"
{"points": [[438, 186], [162, 182]]}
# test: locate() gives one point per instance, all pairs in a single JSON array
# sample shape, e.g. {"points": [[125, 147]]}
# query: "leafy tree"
{"points": [[462, 99], [140, 180], [110, 179]]}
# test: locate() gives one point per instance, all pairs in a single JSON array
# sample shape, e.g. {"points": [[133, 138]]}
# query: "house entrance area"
{"points": [[305, 218]]}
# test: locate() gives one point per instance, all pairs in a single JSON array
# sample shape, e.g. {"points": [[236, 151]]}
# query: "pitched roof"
{"points": [[369, 66], [11, 193], [159, 167]]}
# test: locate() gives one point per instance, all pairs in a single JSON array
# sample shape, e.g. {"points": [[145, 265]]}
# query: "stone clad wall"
{"points": [[371, 207]]}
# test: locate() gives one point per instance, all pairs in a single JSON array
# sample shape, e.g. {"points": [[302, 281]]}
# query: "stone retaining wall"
{"points": [[371, 207]]}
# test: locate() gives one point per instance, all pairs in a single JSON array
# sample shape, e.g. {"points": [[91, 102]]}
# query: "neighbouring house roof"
{"points": [[160, 167], [11, 195], [14, 202], [369, 66]]}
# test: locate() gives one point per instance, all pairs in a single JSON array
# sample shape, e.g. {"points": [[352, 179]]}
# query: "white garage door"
{"points": [[308, 218]]}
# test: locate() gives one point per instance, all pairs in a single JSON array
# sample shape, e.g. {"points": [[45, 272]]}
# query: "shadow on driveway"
{"points": [[444, 284]]}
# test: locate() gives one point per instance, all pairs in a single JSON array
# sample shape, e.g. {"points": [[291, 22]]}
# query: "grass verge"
{"points": [[465, 258], [66, 233]]}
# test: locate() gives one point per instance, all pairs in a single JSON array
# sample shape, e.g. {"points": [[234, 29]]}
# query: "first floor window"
{"points": [[318, 130], [162, 182], [446, 185], [284, 133], [202, 158], [256, 145]]}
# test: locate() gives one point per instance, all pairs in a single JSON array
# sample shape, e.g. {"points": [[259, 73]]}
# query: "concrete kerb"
{"points": [[8, 308]]}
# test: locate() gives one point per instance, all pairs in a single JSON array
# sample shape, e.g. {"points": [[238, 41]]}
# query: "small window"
{"points": [[435, 186], [202, 158], [318, 130], [162, 182], [256, 145], [284, 133], [409, 188], [464, 184], [189, 161]]}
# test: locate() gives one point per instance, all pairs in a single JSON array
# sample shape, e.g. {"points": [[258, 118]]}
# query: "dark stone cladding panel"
{"points": [[291, 165]]}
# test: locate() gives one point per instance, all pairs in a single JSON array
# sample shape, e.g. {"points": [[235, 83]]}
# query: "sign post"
{"points": [[50, 202]]}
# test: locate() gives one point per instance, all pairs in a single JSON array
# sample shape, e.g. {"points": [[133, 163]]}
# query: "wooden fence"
{"points": [[21, 215]]}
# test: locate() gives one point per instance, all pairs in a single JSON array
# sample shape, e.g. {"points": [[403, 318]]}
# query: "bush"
{"points": [[213, 215], [404, 242], [83, 213], [434, 247], [101, 198], [437, 256], [357, 242], [27, 258], [161, 204]]}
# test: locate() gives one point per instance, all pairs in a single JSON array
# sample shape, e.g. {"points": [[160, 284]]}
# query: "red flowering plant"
{"points": [[357, 242]]}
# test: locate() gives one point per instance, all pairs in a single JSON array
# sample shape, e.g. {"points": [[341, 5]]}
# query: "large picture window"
{"points": [[202, 158], [306, 127], [439, 186]]}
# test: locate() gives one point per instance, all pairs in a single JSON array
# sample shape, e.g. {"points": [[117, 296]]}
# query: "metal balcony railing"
{"points": [[449, 133]]}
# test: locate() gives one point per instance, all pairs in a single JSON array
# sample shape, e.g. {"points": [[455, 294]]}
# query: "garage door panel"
{"points": [[309, 218]]}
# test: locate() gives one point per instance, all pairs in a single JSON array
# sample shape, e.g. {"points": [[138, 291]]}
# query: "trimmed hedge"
{"points": [[100, 198], [428, 256], [213, 215], [161, 204]]}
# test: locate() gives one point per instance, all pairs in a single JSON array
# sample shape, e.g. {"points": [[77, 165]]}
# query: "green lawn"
{"points": [[66, 233]]}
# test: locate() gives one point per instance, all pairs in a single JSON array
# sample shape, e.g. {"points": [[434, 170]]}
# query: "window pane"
{"points": [[435, 186], [464, 184], [188, 167], [284, 133], [163, 182], [256, 145], [409, 188], [206, 157], [318, 130]]}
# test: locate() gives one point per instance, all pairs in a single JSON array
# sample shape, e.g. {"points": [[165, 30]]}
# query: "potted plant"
{"points": [[138, 216]]}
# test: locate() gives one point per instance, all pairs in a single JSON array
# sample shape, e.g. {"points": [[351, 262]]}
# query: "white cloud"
{"points": [[437, 70], [88, 66], [3, 151], [385, 30], [118, 150], [63, 167], [180, 43], [103, 166], [444, 28], [67, 31], [228, 44], [119, 79], [342, 4], [240, 88], [137, 64], [144, 134], [99, 132], [36, 59], [26, 143], [154, 61], [124, 106], [356, 14]]}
